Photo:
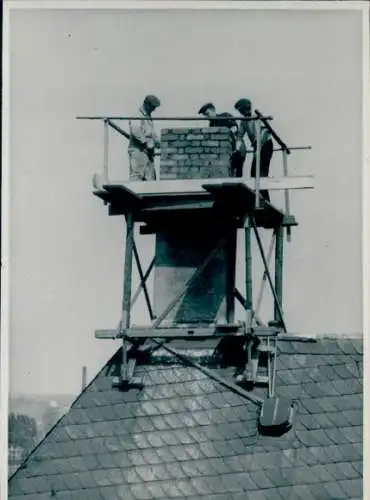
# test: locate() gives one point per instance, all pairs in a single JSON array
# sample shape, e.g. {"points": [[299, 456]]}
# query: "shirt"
{"points": [[250, 128], [142, 133]]}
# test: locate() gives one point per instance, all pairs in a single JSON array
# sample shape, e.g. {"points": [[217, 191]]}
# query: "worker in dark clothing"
{"points": [[244, 106], [218, 120]]}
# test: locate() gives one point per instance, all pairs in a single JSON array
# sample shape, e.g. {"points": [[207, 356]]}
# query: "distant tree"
{"points": [[51, 415], [22, 431]]}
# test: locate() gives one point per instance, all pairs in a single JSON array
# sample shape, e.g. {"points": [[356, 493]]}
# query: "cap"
{"points": [[242, 103], [206, 106], [153, 100]]}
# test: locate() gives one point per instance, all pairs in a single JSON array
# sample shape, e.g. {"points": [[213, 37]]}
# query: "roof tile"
{"points": [[238, 482], [190, 469], [359, 467], [108, 493], [185, 487], [347, 470], [321, 472], [261, 479], [303, 475], [352, 487], [101, 478], [349, 346], [353, 434], [278, 478], [220, 466], [124, 492], [131, 475], [86, 480], [106, 461], [202, 485], [155, 490], [353, 417], [72, 481], [337, 453], [319, 492], [193, 451], [175, 470], [208, 449], [256, 495], [173, 421], [350, 402], [274, 494], [159, 471], [141, 492], [165, 454], [337, 436], [115, 476], [302, 492], [149, 473], [314, 438]]}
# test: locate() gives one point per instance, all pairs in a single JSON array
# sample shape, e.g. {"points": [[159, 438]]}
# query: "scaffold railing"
{"points": [[260, 119]]}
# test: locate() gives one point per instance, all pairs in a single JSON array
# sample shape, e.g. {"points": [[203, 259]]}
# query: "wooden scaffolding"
{"points": [[218, 207]]}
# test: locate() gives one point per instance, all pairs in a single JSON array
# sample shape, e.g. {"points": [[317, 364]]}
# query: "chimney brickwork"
{"points": [[195, 153]]}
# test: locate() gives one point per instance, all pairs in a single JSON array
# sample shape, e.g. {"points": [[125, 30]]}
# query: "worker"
{"points": [[143, 142], [237, 157], [244, 106]]}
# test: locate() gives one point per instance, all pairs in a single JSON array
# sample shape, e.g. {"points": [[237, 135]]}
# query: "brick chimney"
{"points": [[195, 153]]}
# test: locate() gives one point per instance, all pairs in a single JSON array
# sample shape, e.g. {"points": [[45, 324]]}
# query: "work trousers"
{"points": [[267, 150], [141, 166], [237, 161]]}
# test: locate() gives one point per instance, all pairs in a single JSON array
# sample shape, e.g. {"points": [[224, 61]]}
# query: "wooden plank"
{"points": [[230, 276], [265, 331], [179, 333], [289, 220], [104, 195], [130, 368], [127, 288], [248, 268], [190, 186], [279, 246], [182, 332], [181, 206], [107, 334], [169, 224]]}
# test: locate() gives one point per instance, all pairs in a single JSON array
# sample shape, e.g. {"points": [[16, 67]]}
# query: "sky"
{"points": [[66, 254]]}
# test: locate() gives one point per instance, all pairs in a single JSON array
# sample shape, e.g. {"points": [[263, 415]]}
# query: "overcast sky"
{"points": [[66, 254]]}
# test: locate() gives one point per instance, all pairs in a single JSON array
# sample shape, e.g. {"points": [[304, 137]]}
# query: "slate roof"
{"points": [[186, 436]]}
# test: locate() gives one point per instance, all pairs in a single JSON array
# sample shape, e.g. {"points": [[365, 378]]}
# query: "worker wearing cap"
{"points": [[143, 141], [238, 156], [244, 106]]}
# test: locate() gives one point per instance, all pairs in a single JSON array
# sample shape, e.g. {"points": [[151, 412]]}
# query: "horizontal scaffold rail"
{"points": [[174, 118], [186, 332]]}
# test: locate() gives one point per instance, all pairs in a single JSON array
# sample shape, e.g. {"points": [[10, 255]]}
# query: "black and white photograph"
{"points": [[184, 254]]}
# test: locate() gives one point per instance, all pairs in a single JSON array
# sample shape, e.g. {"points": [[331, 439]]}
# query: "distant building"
{"points": [[16, 455]]}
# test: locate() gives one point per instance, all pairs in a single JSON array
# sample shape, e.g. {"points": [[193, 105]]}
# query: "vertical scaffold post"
{"points": [[258, 161], [286, 192], [126, 300], [248, 274], [106, 150], [279, 245], [230, 279]]}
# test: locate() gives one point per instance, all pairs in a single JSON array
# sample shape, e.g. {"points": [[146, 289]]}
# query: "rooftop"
{"points": [[184, 435]]}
